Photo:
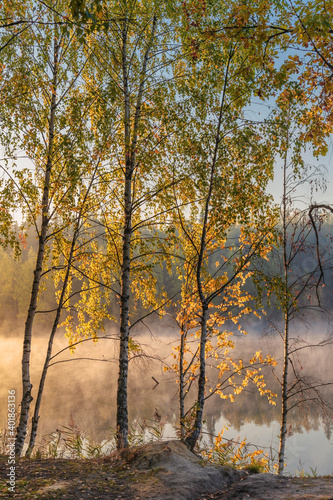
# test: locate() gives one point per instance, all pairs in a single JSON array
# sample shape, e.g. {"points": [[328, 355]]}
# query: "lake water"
{"points": [[82, 388]]}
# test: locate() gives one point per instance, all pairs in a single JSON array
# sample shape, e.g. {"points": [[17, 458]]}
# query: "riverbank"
{"points": [[156, 471]]}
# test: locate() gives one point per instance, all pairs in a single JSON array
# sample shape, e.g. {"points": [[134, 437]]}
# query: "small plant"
{"points": [[96, 450], [236, 454], [255, 467], [73, 440], [50, 447], [156, 429], [38, 454], [79, 445], [70, 442], [303, 474], [146, 430], [136, 435]]}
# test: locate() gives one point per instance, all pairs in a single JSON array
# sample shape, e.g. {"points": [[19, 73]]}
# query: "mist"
{"points": [[81, 388]]}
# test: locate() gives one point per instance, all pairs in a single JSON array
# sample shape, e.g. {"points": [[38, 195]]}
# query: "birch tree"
{"points": [[76, 244], [135, 113], [296, 288], [40, 111], [230, 162]]}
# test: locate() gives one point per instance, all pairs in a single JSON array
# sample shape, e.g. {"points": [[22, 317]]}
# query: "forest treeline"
{"points": [[15, 275], [138, 140]]}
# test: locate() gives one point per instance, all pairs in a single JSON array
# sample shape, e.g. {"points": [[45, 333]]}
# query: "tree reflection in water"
{"points": [[85, 390]]}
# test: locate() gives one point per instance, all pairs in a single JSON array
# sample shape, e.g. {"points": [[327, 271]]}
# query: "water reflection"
{"points": [[85, 390]]}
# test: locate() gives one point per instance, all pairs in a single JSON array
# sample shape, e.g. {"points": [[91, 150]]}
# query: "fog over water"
{"points": [[82, 387]]}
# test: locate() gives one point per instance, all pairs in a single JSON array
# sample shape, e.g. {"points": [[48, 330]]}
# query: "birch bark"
{"points": [[191, 440], [130, 138], [70, 259], [284, 396], [26, 380]]}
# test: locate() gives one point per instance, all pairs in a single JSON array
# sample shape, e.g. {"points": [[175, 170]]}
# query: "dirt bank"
{"points": [[156, 471]]}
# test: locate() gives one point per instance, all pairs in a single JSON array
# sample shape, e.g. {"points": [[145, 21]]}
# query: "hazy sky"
{"points": [[275, 187]]}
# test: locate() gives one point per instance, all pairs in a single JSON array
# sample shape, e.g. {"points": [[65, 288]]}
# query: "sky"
{"points": [[326, 162]]}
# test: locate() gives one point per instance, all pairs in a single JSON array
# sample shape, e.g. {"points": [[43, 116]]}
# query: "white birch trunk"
{"points": [[284, 388], [26, 381], [35, 419], [181, 387], [130, 153], [284, 399], [191, 440]]}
